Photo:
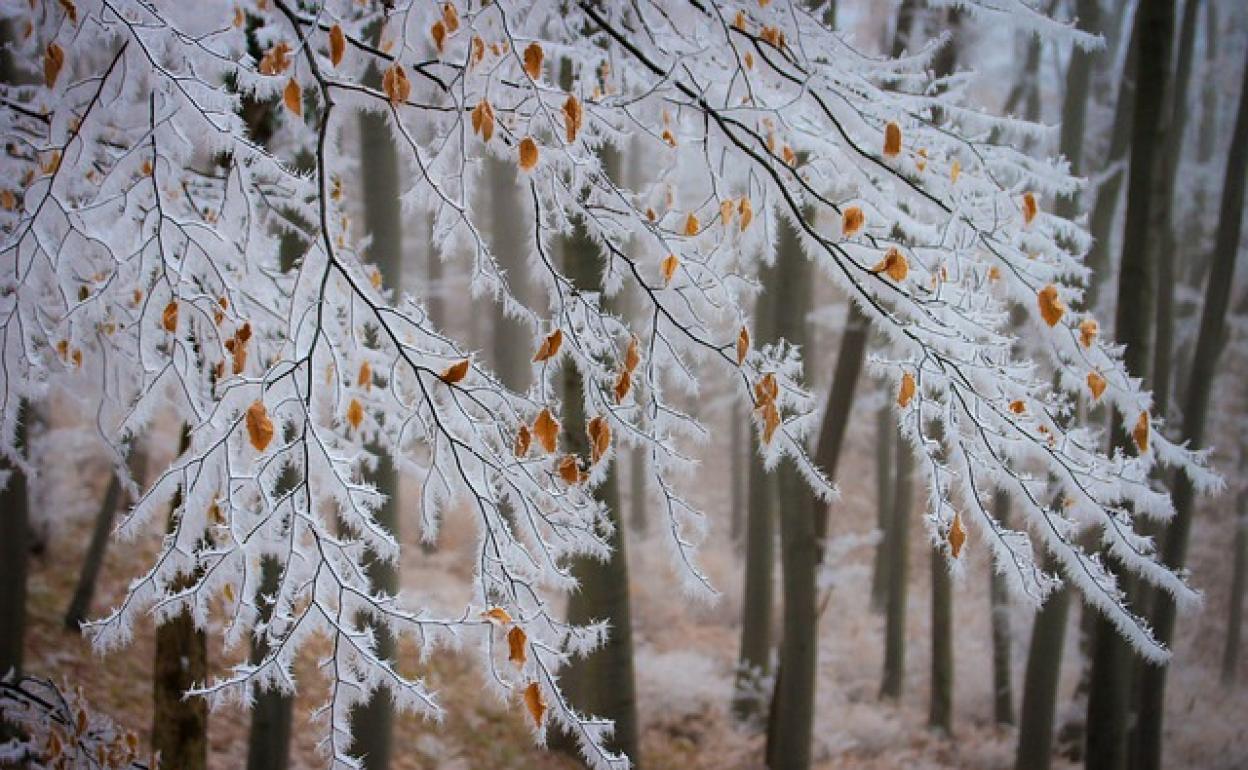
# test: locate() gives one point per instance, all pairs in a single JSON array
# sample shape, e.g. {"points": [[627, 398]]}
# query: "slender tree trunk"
{"points": [[268, 745], [898, 569], [93, 560], [1040, 682], [736, 471], [1209, 343], [885, 429], [1112, 657], [999, 600], [1075, 102], [940, 707], [1239, 576], [792, 718], [512, 339], [372, 722], [640, 517], [180, 725], [14, 555]]}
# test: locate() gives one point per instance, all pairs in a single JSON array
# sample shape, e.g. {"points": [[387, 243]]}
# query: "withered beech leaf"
{"points": [[632, 354], [746, 210], [497, 615], [549, 347], [528, 154], [259, 426], [667, 268], [692, 225], [292, 97], [455, 372], [483, 120], [1140, 432], [365, 378], [569, 469], [355, 413], [1051, 306], [535, 703], [395, 83], [450, 16], [438, 33], [743, 345], [771, 420], [1096, 384], [1088, 329], [957, 535], [337, 45], [53, 61], [533, 56], [517, 643], [623, 384], [852, 221], [573, 115], [546, 428], [169, 318], [894, 265], [892, 139], [1030, 209], [599, 432], [906, 391], [524, 438], [1018, 407]]}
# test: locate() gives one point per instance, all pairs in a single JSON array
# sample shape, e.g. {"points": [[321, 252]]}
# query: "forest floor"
{"points": [[686, 651]]}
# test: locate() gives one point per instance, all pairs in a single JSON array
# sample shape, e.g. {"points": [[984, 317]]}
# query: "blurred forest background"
{"points": [[915, 667]]}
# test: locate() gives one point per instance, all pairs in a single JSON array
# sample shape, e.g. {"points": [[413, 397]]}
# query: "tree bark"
{"points": [[999, 601], [898, 569], [792, 718], [180, 724], [1111, 663], [737, 460], [940, 707], [14, 555], [1209, 343], [512, 341], [885, 430], [268, 744], [1239, 576], [1040, 682]]}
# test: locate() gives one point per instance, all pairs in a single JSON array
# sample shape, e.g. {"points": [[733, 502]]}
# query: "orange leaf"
{"points": [[455, 372], [692, 226], [1018, 407], [790, 157], [667, 268], [259, 426], [632, 355], [743, 345], [726, 209], [1140, 432], [169, 318], [1087, 332], [275, 60], [528, 154], [747, 213], [894, 265], [921, 163], [957, 535], [516, 643], [450, 16], [53, 60], [1029, 208], [906, 391], [355, 413], [438, 33], [483, 120], [892, 140], [623, 384], [535, 703], [337, 45], [478, 50], [1051, 307], [533, 56], [523, 439], [771, 420], [599, 432], [1096, 384], [955, 171], [292, 97], [852, 221], [569, 470], [497, 615], [365, 378], [395, 83], [549, 347], [573, 116], [546, 428]]}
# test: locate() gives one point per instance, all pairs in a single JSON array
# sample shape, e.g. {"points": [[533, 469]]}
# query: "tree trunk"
{"points": [[512, 338], [999, 600], [1040, 682], [737, 460], [180, 725], [372, 722], [640, 518], [940, 707], [268, 745], [1112, 657], [1239, 575], [1075, 103], [14, 555], [93, 560], [885, 429], [898, 568], [792, 718], [603, 683], [1209, 343]]}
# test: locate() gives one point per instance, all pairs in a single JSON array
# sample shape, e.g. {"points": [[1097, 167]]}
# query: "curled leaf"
{"points": [[957, 535], [1087, 332], [1030, 209], [292, 97], [1018, 407], [517, 641], [743, 345], [455, 372], [483, 120], [259, 426], [955, 171], [569, 469], [528, 154], [1051, 306], [667, 268], [1140, 432], [632, 354], [355, 413], [497, 615], [53, 61], [546, 428], [906, 391], [169, 318], [623, 384], [395, 83], [524, 438], [852, 221], [894, 265], [766, 389], [450, 17], [892, 139], [438, 33], [573, 117], [692, 225], [747, 213], [275, 60], [365, 378], [337, 45], [549, 347], [535, 703], [771, 420]]}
